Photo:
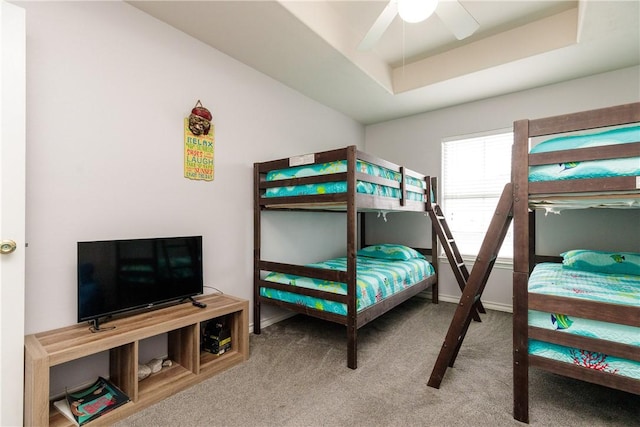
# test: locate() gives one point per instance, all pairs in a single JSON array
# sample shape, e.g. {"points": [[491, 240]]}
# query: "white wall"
{"points": [[108, 88], [415, 142]]}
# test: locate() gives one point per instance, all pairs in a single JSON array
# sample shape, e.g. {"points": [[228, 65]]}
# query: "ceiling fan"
{"points": [[454, 16]]}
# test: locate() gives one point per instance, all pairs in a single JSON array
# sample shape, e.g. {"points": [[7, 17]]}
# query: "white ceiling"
{"points": [[311, 46]]}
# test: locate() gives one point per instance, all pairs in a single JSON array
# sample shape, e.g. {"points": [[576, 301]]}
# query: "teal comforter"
{"points": [[589, 169], [377, 279], [553, 279], [340, 186]]}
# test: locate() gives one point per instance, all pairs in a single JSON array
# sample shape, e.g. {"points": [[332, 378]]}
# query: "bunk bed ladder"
{"points": [[453, 253], [476, 282]]}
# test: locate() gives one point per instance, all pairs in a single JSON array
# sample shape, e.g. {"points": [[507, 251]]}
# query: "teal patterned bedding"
{"points": [[586, 359], [340, 186], [553, 279], [377, 279], [589, 169]]}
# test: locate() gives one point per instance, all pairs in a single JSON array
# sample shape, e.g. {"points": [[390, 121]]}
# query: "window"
{"points": [[475, 170]]}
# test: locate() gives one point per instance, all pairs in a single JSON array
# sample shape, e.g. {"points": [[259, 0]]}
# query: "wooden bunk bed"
{"points": [[346, 176], [549, 193]]}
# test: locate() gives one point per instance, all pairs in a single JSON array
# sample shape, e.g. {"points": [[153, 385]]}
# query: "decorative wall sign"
{"points": [[198, 144]]}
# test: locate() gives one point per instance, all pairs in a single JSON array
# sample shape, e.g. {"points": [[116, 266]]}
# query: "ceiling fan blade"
{"points": [[456, 18], [379, 27]]}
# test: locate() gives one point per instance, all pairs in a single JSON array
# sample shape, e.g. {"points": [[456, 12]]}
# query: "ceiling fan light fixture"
{"points": [[414, 11]]}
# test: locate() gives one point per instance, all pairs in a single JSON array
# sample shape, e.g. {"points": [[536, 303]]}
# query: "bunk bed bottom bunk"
{"points": [[557, 335], [382, 284], [377, 280], [586, 327]]}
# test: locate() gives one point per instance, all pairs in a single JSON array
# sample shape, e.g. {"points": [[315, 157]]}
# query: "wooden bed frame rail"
{"points": [[525, 253], [354, 205]]}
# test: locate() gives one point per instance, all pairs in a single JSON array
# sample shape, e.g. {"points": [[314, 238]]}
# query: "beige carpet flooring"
{"points": [[296, 375]]}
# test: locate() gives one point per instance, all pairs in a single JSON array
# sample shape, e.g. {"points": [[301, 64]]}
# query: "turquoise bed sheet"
{"points": [[340, 186], [377, 279], [553, 279], [586, 359], [589, 169]]}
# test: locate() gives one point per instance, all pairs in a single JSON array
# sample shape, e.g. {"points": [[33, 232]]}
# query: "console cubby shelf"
{"points": [[190, 365]]}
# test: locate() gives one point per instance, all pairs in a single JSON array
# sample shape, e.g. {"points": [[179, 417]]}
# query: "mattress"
{"points": [[556, 204], [339, 166], [553, 279], [588, 169], [377, 279]]}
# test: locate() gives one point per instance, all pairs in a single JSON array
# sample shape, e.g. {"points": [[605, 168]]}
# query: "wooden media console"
{"points": [[182, 323]]}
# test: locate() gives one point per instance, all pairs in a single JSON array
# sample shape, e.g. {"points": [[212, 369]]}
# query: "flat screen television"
{"points": [[121, 276]]}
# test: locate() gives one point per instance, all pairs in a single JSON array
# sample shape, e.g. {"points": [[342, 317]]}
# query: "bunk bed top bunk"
{"points": [[355, 289], [575, 170], [320, 181], [579, 318]]}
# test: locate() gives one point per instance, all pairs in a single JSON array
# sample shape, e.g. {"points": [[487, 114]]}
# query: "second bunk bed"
{"points": [[576, 314], [370, 280]]}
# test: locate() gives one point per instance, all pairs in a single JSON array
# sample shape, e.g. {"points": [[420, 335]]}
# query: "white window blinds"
{"points": [[474, 172]]}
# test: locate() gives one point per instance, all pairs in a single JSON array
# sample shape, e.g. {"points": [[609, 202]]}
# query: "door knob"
{"points": [[7, 246]]}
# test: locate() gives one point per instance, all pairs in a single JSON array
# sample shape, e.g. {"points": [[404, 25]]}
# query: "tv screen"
{"points": [[116, 276]]}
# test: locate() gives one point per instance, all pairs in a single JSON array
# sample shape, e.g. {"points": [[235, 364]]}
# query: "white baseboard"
{"points": [[487, 304], [272, 320]]}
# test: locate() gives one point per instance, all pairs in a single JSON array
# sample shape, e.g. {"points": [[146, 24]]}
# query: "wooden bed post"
{"points": [[256, 248], [352, 241], [521, 268], [432, 192]]}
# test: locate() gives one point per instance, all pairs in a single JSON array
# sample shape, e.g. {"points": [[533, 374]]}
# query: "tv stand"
{"points": [[181, 322]]}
